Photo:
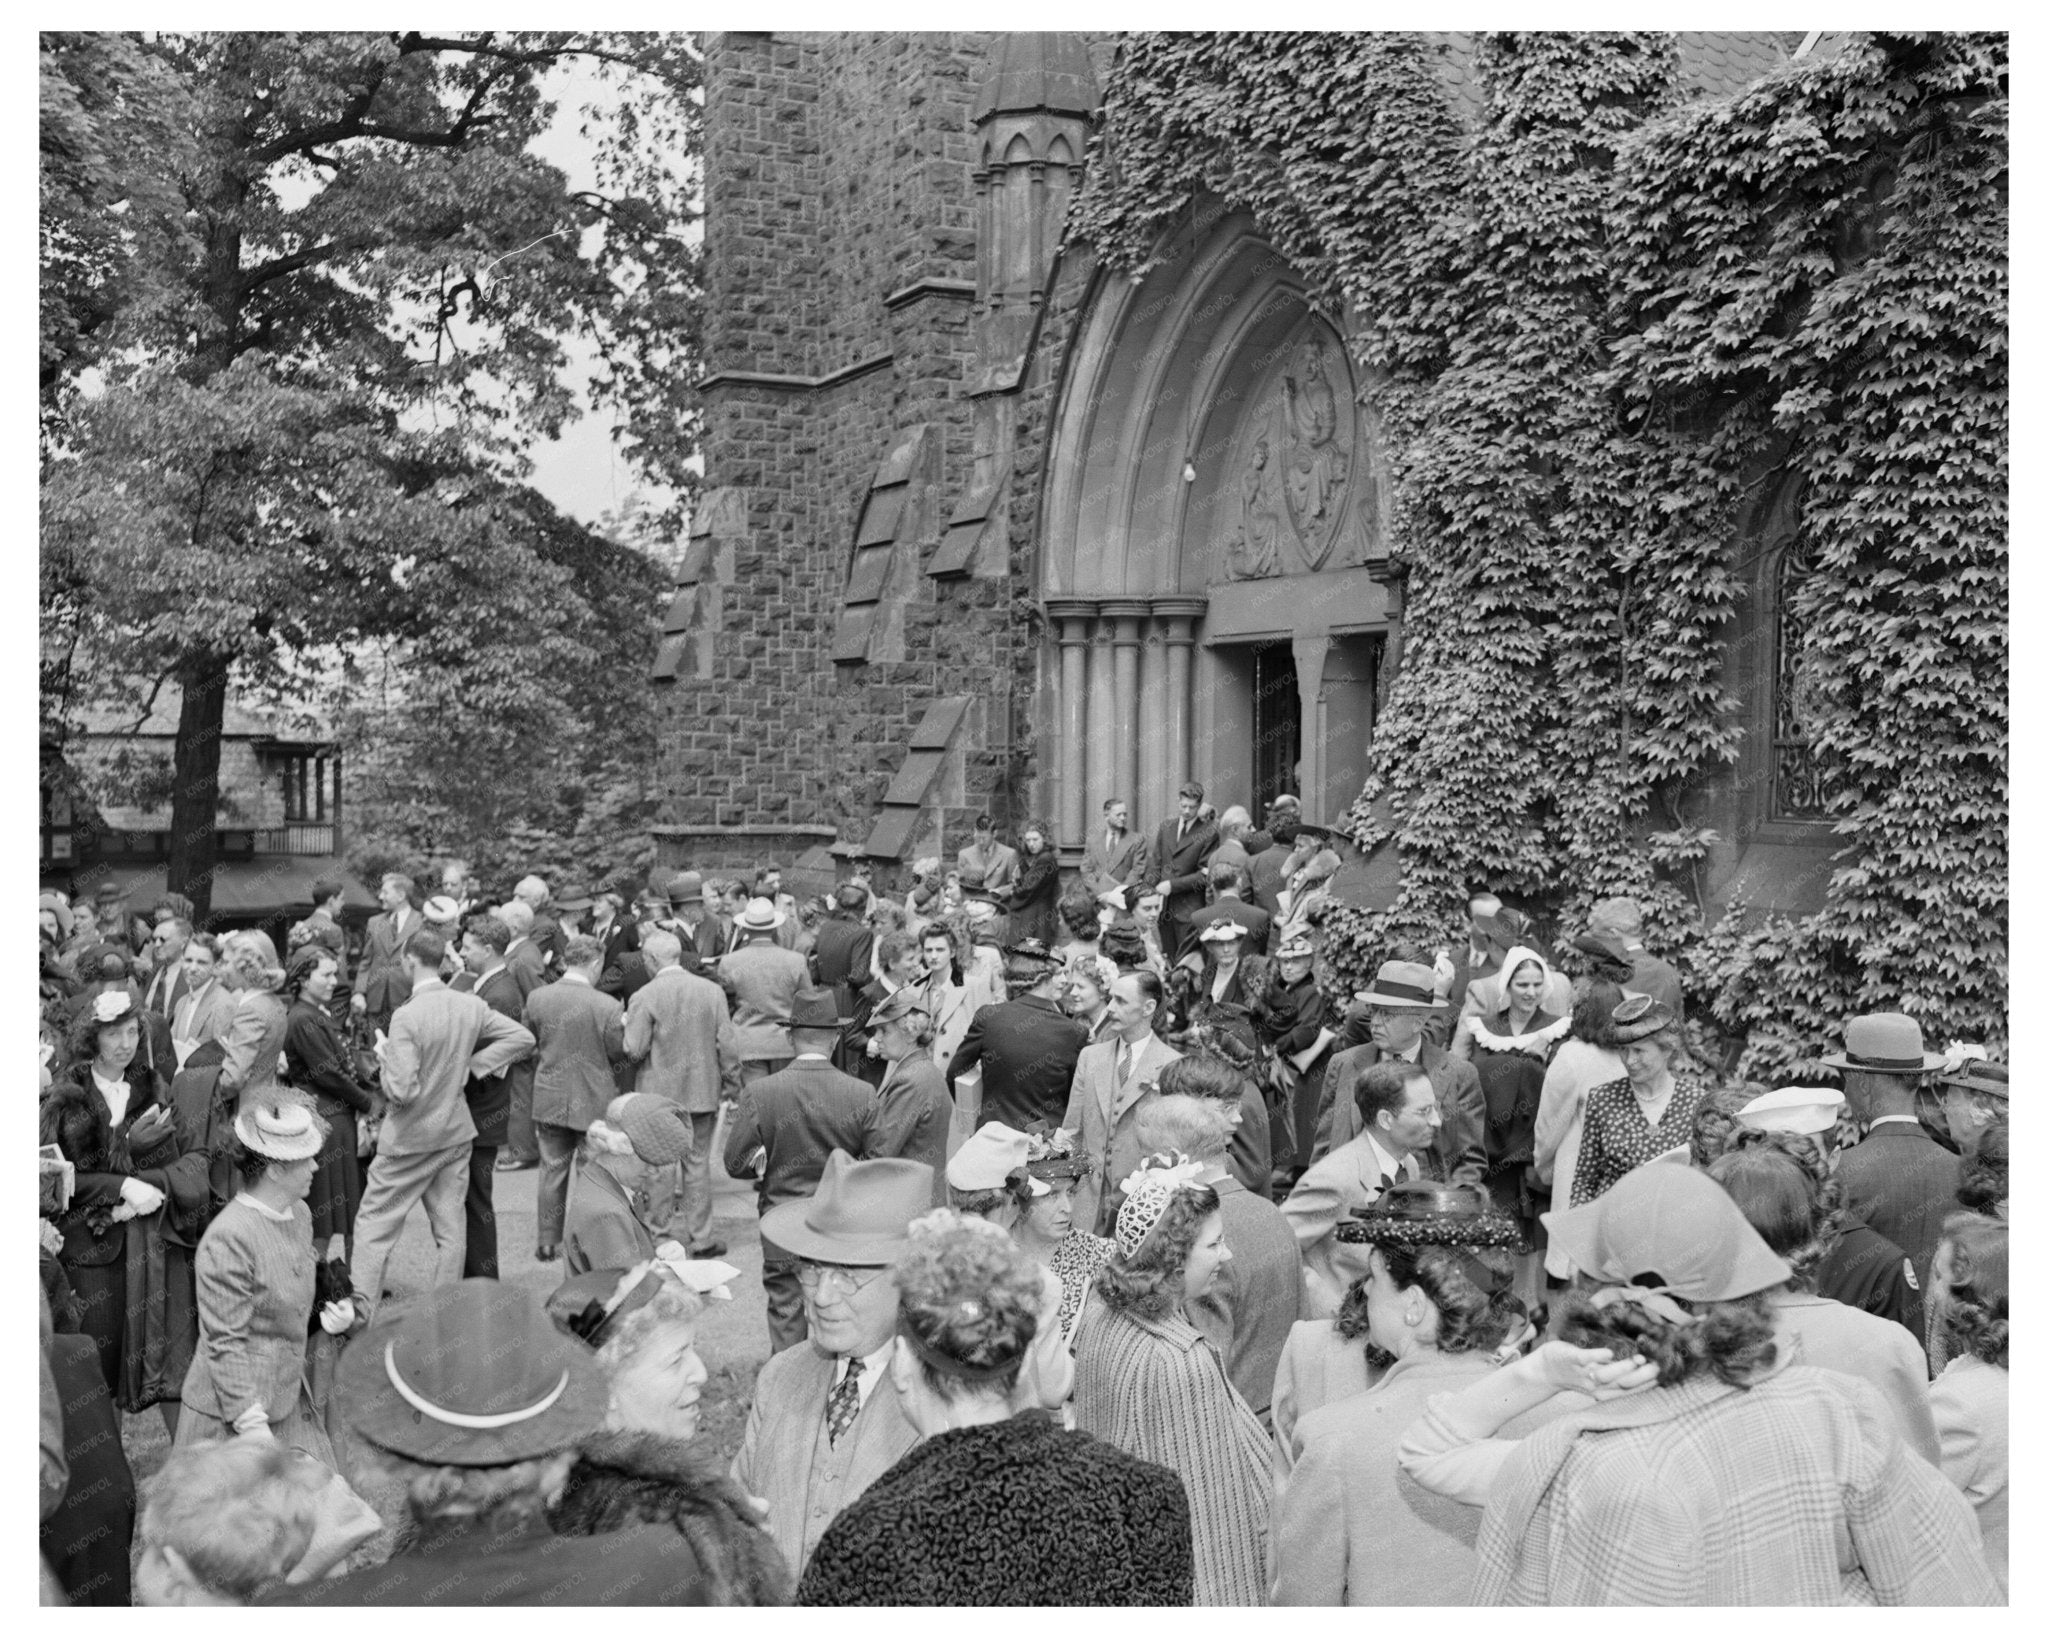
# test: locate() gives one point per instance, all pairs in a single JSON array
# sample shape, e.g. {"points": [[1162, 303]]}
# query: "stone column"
{"points": [[1178, 615], [1101, 735], [1309, 654], [1127, 620], [1073, 615]]}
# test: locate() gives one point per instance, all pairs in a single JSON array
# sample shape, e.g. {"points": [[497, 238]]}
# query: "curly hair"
{"points": [[978, 1203], [1202, 1075], [82, 1039], [304, 963], [240, 1513], [1781, 1183], [969, 1294], [1732, 1340], [1469, 1319], [1715, 1125], [1080, 915], [254, 959], [1977, 1316], [628, 1332], [1987, 1174], [1148, 1283]]}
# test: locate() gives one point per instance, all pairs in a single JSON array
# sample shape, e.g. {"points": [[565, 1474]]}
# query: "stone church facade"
{"points": [[989, 529]]}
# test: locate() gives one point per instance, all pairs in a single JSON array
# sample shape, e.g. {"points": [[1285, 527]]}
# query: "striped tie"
{"points": [[844, 1403]]}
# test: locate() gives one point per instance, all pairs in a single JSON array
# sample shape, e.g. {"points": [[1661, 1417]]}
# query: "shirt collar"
{"points": [[1390, 1168], [572, 976], [429, 981], [1908, 1120]]}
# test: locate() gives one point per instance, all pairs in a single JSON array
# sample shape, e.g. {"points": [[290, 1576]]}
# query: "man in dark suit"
{"points": [[1652, 976], [1229, 882], [578, 1032], [1272, 869], [1898, 1179], [788, 1123], [898, 965], [1480, 959], [1179, 857], [1027, 1047], [381, 984], [1394, 1016], [843, 956], [486, 976], [1114, 858], [616, 937], [695, 920]]}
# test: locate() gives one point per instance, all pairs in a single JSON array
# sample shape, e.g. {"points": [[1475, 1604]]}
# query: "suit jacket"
{"points": [[207, 1014], [600, 1228], [490, 1096], [1257, 1297], [439, 1039], [989, 875], [679, 1031], [167, 986], [1269, 876], [1345, 1178], [798, 1116], [1027, 1049], [1104, 1115], [1441, 1024], [618, 941], [1257, 924], [953, 1007], [381, 980], [1658, 979], [764, 978], [527, 961], [577, 1031], [1181, 861], [1460, 1145], [915, 1113], [841, 958], [1902, 1183], [552, 942], [1106, 866], [785, 1426]]}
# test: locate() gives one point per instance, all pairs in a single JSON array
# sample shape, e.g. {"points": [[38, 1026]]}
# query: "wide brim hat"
{"points": [[1218, 931], [761, 916], [475, 1376], [1029, 951], [286, 1130], [860, 1215], [1806, 1110], [989, 1157], [441, 908], [109, 893], [1406, 986], [1675, 1223], [54, 903], [1606, 950], [1640, 1017], [1980, 1076], [815, 1007], [1432, 1214], [1056, 1152], [574, 903], [685, 884], [1321, 835], [1296, 949], [1887, 1043]]}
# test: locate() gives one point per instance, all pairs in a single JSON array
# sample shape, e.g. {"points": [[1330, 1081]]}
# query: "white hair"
{"points": [[532, 889], [517, 915]]}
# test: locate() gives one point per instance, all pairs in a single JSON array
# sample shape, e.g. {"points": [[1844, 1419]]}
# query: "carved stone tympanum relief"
{"points": [[1297, 476]]}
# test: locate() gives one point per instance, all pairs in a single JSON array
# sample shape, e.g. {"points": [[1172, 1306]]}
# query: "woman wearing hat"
{"points": [[917, 1109], [319, 1066], [1437, 1311], [254, 1040], [1221, 975], [1149, 1381], [620, 1166], [1045, 1226], [1288, 1015], [256, 1292], [1713, 1471], [1649, 1111], [110, 1117], [995, 1507]]}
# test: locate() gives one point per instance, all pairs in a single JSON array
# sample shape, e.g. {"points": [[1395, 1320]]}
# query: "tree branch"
{"points": [[277, 267]]}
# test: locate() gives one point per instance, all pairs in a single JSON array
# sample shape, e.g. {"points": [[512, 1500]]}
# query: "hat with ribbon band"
{"points": [[1887, 1043], [860, 1217], [1404, 985]]}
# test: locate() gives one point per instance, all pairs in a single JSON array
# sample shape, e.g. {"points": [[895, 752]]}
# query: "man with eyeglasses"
{"points": [[825, 1423]]}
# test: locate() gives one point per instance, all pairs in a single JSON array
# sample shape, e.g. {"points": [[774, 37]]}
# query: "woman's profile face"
{"points": [[658, 1385], [1206, 1258], [1526, 987], [1386, 1307], [1644, 1060], [293, 1177]]}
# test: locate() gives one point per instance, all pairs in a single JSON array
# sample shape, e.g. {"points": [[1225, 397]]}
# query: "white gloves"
{"points": [[139, 1197], [254, 1423], [337, 1317]]}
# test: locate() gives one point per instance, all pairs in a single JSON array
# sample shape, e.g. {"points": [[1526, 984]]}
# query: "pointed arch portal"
{"points": [[1212, 519]]}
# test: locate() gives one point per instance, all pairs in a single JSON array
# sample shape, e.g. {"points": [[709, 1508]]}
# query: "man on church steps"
{"points": [[1114, 858], [1179, 855]]}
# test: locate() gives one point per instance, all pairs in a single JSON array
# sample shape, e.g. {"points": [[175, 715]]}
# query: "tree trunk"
{"points": [[195, 772]]}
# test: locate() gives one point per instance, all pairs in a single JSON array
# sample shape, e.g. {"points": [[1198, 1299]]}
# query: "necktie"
{"points": [[1123, 1062], [843, 1404]]}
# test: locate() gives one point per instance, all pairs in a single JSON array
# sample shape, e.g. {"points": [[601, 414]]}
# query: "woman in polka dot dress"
{"points": [[1650, 1112]]}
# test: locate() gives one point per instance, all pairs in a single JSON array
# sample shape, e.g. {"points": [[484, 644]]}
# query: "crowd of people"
{"points": [[1108, 1255]]}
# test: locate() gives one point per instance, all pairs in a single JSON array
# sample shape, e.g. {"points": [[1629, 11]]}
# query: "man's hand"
{"points": [[358, 1002]]}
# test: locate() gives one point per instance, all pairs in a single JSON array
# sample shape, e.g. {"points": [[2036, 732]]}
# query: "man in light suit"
{"points": [[206, 1009], [1395, 1014], [679, 1032], [825, 1422], [1114, 858], [381, 985], [577, 1031], [486, 976], [1114, 1080], [440, 1040], [1398, 1109], [1179, 858]]}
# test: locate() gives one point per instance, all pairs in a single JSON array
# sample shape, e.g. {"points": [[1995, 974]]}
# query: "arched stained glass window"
{"points": [[1803, 779]]}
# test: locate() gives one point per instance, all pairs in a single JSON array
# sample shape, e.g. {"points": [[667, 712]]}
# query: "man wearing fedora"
{"points": [[1478, 959], [474, 1406], [1027, 1047], [762, 975], [825, 1424], [1897, 1179], [787, 1123], [696, 921], [1396, 1012], [682, 1037]]}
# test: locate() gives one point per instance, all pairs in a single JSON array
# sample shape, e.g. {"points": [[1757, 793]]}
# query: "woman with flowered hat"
{"points": [[1436, 1312], [257, 1291], [996, 1504], [1712, 1470], [110, 1117], [1045, 1225], [1149, 1381]]}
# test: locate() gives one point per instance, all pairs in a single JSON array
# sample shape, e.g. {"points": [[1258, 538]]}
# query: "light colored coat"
{"points": [[780, 1449], [381, 980], [1971, 1402], [1104, 1117], [1575, 1069], [577, 1032], [679, 1032], [441, 1039], [1347, 1177], [764, 977]]}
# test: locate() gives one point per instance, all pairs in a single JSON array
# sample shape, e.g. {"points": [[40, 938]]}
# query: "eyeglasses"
{"points": [[812, 1276]]}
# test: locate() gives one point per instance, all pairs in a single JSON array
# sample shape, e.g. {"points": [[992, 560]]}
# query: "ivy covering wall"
{"points": [[1601, 327]]}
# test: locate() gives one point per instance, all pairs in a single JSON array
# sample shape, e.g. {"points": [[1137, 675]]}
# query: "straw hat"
{"points": [[280, 1131]]}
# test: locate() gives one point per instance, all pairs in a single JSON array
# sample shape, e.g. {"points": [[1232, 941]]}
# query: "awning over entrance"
{"points": [[243, 889]]}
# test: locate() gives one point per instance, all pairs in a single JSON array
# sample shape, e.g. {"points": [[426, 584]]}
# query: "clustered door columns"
{"points": [[1126, 702]]}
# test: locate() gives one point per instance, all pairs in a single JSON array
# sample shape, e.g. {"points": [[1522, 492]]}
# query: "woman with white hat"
{"points": [[1713, 1471], [256, 1292]]}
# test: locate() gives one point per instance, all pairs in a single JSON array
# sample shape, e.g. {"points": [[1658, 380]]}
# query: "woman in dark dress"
{"points": [[998, 1504], [318, 1064], [1035, 897], [113, 1122], [1510, 1049], [1647, 1114]]}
